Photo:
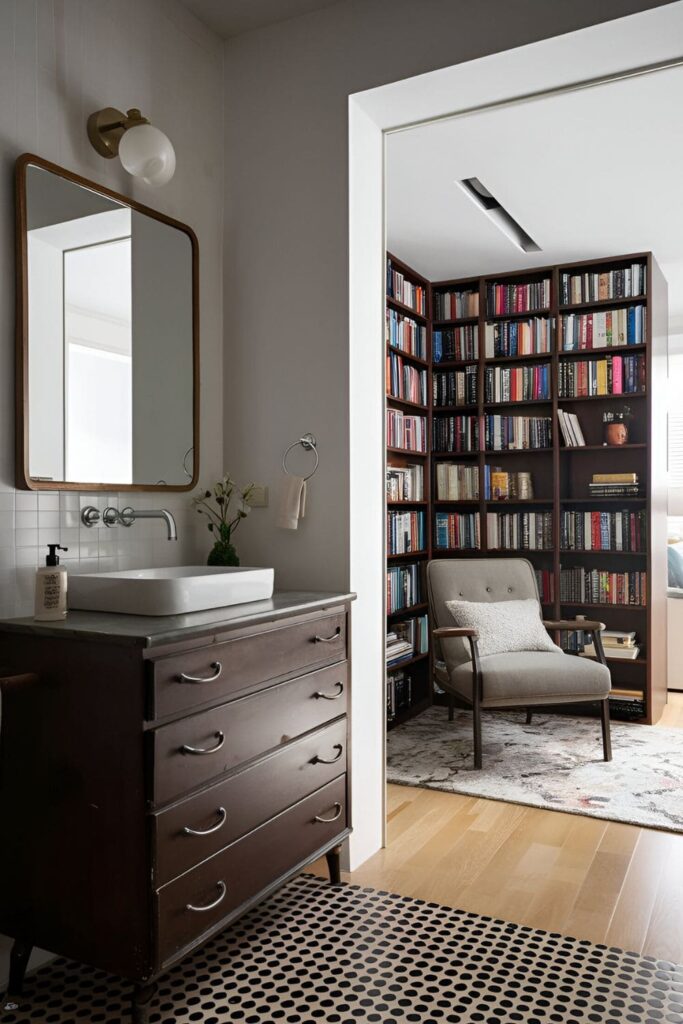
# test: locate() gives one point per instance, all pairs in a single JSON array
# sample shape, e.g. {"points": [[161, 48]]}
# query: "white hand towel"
{"points": [[292, 502]]}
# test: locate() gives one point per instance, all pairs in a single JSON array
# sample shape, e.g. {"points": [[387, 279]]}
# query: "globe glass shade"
{"points": [[147, 153]]}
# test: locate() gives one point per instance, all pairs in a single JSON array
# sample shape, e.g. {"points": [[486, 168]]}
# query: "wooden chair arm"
{"points": [[450, 632], [574, 625]]}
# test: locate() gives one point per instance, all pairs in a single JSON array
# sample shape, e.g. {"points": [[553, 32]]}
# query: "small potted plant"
{"points": [[222, 520]]}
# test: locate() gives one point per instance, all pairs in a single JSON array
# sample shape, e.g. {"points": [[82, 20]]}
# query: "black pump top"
{"points": [[53, 558]]}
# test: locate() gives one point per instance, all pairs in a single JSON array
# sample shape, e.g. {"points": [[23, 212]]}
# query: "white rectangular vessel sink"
{"points": [[170, 591]]}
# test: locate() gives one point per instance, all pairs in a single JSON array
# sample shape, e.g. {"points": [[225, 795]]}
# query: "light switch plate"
{"points": [[259, 496]]}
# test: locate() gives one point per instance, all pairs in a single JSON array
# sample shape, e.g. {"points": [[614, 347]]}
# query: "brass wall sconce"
{"points": [[143, 150]]}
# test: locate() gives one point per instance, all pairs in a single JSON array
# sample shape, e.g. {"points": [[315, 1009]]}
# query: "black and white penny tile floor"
{"points": [[340, 955]]}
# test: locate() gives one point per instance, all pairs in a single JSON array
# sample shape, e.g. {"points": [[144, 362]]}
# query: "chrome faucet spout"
{"points": [[129, 515]]}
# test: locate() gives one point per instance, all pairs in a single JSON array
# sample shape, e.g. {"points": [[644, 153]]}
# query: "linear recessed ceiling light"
{"points": [[480, 195]]}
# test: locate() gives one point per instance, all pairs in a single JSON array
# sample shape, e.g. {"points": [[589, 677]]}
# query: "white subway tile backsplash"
{"points": [[48, 500], [48, 519], [26, 538], [26, 519], [25, 500]]}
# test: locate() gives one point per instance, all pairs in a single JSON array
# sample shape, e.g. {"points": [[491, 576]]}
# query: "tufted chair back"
{"points": [[473, 579]]}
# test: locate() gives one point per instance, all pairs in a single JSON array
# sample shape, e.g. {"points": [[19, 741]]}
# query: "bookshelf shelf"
{"points": [[409, 612], [555, 478], [408, 356], [395, 666], [407, 555], [423, 409], [405, 503], [408, 310]]}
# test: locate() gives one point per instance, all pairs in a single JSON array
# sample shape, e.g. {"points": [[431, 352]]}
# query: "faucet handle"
{"points": [[127, 516], [90, 516]]}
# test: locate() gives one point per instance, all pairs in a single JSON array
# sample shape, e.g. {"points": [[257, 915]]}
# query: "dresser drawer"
{"points": [[240, 871], [194, 750], [183, 681], [246, 799]]}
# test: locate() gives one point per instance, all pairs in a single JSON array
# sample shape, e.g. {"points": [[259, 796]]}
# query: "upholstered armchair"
{"points": [[516, 679]]}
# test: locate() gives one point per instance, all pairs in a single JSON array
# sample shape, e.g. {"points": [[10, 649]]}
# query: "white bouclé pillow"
{"points": [[504, 626]]}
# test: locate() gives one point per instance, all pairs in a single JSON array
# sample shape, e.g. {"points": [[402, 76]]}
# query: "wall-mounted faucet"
{"points": [[111, 516]]}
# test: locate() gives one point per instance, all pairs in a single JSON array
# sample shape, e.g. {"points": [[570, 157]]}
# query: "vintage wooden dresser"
{"points": [[160, 776]]}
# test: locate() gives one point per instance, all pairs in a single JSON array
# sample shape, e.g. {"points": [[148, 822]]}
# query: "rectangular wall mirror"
{"points": [[107, 338]]}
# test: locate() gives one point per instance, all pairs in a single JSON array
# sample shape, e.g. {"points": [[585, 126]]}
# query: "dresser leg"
{"points": [[18, 962], [142, 1001], [333, 859]]}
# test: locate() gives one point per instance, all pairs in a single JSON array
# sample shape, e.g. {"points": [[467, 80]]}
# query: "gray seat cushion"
{"points": [[528, 678]]}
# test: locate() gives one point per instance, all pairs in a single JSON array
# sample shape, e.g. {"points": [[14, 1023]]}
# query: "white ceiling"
{"points": [[586, 174], [230, 17]]}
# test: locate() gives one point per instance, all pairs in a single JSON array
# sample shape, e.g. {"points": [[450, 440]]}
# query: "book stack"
{"points": [[519, 531], [455, 344], [599, 586], [456, 305], [614, 485], [399, 693], [590, 286], [455, 434], [518, 337], [405, 532], [405, 381], [624, 703], [614, 375], [623, 530], [397, 648], [545, 581], [398, 287], [456, 482], [517, 433], [457, 530], [517, 298], [608, 328], [617, 644], [403, 587], [517, 383], [455, 387], [405, 334], [570, 428], [407, 639], [405, 483], [406, 432]]}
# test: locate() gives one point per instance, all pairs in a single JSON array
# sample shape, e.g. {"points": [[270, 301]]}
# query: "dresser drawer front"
{"points": [[242, 870], [240, 803], [243, 729], [227, 668]]}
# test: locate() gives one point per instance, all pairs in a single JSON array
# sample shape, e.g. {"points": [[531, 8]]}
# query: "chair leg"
{"points": [[451, 707], [476, 718], [606, 738], [528, 716]]}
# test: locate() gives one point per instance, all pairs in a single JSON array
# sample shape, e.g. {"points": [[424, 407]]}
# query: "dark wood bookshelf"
{"points": [[560, 479], [408, 356]]}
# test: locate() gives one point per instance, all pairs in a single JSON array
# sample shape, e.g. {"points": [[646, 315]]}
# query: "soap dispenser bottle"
{"points": [[51, 582]]}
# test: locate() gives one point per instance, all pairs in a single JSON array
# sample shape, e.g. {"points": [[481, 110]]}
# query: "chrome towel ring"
{"points": [[309, 444]]}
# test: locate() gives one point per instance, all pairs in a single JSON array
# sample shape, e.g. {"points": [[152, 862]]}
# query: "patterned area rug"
{"points": [[340, 955], [555, 763]]}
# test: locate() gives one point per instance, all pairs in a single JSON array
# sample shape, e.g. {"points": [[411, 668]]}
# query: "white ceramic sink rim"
{"points": [[169, 590]]}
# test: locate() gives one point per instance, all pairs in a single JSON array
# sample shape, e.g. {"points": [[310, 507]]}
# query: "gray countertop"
{"points": [[157, 631]]}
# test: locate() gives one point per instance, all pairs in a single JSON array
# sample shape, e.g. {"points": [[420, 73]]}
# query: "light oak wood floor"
{"points": [[598, 880]]}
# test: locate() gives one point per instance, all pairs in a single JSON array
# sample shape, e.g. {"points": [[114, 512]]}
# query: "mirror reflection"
{"points": [[110, 339]]}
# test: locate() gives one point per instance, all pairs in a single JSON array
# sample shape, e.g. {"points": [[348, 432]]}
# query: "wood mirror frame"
{"points": [[22, 477]]}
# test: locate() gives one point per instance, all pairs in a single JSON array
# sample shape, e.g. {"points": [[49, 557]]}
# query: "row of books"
{"points": [[400, 288], [456, 482], [456, 304], [405, 532], [405, 334], [518, 337], [405, 381], [399, 693], [407, 432], [613, 375], [622, 530], [614, 485], [517, 433], [621, 645], [404, 587], [406, 639], [517, 383], [517, 298], [519, 531], [456, 387], [500, 485], [405, 483], [455, 344], [545, 581], [457, 530], [592, 286], [455, 434], [604, 329], [570, 428], [599, 586]]}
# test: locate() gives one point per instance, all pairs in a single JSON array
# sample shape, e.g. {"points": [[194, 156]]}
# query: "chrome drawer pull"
{"points": [[321, 760], [221, 886], [326, 821], [204, 750], [215, 665], [328, 639], [329, 696], [222, 815]]}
